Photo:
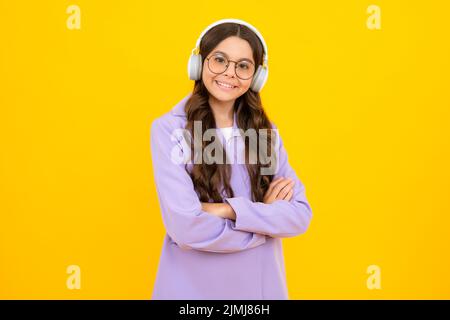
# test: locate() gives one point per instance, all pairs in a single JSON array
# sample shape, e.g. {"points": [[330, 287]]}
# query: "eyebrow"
{"points": [[246, 59]]}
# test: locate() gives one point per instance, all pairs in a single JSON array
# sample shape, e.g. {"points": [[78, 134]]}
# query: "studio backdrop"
{"points": [[358, 89]]}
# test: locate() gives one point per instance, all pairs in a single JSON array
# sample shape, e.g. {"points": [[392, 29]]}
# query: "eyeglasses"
{"points": [[218, 63]]}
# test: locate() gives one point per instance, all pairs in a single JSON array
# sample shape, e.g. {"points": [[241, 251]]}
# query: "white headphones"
{"points": [[195, 60]]}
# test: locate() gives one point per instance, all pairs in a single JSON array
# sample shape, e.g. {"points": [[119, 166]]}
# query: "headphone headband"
{"points": [[238, 21]]}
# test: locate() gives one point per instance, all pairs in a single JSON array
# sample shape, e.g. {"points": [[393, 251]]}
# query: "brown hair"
{"points": [[208, 179]]}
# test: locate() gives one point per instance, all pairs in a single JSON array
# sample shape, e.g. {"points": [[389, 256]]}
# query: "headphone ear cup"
{"points": [[259, 79], [195, 66]]}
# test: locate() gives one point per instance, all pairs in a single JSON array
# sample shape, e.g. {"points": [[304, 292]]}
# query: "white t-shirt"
{"points": [[227, 132]]}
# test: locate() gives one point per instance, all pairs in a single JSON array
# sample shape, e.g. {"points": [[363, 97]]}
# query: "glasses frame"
{"points": [[228, 64]]}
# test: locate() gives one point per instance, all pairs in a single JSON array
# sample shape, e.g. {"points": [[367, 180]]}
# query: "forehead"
{"points": [[235, 48]]}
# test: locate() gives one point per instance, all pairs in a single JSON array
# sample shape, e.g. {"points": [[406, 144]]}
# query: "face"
{"points": [[235, 49]]}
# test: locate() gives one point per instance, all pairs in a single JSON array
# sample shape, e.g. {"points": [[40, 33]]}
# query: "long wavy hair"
{"points": [[210, 180]]}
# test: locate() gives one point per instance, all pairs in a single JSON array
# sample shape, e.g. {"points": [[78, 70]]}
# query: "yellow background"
{"points": [[364, 115]]}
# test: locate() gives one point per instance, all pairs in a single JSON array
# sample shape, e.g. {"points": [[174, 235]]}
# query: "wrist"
{"points": [[222, 210], [228, 211]]}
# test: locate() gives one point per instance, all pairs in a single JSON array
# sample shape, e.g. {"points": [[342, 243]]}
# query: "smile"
{"points": [[224, 85]]}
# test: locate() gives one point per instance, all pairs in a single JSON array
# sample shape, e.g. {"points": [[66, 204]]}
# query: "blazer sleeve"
{"points": [[281, 218], [186, 223]]}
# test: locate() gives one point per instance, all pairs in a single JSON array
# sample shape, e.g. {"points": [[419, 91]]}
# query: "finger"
{"points": [[281, 185], [276, 187], [289, 195], [270, 196], [274, 183], [276, 180], [283, 192]]}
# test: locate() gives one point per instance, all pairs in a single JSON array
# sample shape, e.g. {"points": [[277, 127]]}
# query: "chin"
{"points": [[224, 96]]}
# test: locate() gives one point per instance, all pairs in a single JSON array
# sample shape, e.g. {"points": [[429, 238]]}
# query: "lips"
{"points": [[224, 85]]}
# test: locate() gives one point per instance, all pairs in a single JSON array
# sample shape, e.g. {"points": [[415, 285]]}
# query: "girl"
{"points": [[224, 221]]}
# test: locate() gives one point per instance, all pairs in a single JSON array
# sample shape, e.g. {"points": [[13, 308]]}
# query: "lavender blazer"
{"points": [[208, 257]]}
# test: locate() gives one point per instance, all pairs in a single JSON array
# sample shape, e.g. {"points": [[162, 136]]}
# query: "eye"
{"points": [[243, 66], [219, 59]]}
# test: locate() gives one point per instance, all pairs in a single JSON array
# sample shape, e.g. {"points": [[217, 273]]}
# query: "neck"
{"points": [[223, 112]]}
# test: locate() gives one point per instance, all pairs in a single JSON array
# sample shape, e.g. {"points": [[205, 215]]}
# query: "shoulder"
{"points": [[171, 120], [274, 126]]}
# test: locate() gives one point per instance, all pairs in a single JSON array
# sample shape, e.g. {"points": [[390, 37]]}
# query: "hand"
{"points": [[222, 210], [279, 189]]}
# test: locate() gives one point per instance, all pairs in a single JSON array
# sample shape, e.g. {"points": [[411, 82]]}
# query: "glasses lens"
{"points": [[217, 63], [245, 69]]}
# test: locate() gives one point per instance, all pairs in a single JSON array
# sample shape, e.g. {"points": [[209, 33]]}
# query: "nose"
{"points": [[231, 70]]}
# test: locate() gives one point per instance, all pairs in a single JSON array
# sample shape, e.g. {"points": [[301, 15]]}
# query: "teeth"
{"points": [[224, 84]]}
